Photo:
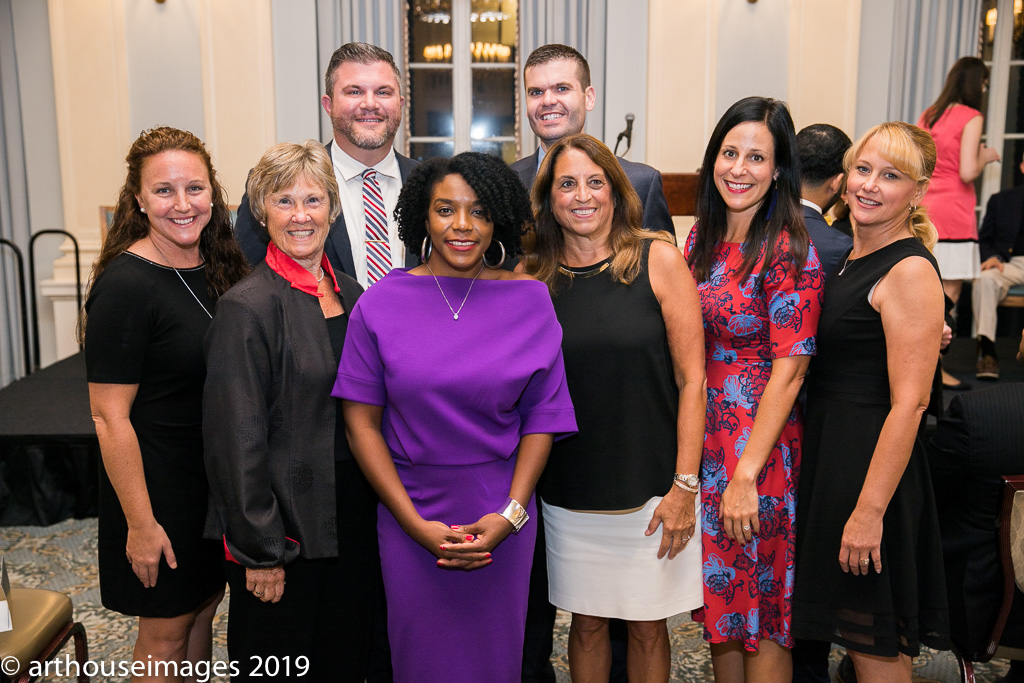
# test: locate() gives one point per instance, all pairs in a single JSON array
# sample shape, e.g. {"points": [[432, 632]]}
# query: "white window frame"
{"points": [[462, 67], [998, 97]]}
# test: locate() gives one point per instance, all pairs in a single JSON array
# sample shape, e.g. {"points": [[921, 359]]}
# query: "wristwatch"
{"points": [[515, 514], [687, 482]]}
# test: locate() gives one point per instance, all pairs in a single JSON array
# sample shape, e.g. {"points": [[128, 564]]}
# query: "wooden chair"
{"points": [[43, 623], [1011, 556], [1014, 298]]}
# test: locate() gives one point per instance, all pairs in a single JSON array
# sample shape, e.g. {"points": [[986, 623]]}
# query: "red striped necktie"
{"points": [[378, 246]]}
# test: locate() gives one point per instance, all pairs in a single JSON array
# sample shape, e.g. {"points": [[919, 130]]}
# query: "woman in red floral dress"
{"points": [[760, 286]]}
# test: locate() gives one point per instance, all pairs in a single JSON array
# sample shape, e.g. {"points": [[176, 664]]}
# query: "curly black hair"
{"points": [[496, 186]]}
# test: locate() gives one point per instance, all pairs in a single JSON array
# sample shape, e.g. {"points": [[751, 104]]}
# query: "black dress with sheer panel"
{"points": [[848, 400]]}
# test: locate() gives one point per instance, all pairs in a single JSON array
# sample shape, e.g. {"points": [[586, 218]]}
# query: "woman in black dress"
{"points": [[167, 257], [869, 561]]}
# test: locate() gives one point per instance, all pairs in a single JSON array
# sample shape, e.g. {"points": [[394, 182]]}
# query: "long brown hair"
{"points": [[224, 263], [964, 85], [545, 244], [780, 209]]}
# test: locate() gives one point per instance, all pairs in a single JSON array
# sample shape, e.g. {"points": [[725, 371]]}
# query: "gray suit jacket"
{"points": [[646, 181], [830, 244], [253, 237]]}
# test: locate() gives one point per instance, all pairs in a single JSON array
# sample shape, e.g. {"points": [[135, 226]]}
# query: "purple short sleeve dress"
{"points": [[457, 397]]}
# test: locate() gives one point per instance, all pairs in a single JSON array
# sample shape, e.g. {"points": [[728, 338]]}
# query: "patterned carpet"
{"points": [[62, 557]]}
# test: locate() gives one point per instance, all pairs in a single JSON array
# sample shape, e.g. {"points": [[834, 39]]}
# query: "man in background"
{"points": [[822, 148], [1001, 241], [558, 97]]}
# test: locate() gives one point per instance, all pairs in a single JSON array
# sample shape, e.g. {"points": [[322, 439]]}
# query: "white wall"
{"points": [[165, 78], [752, 53], [626, 82]]}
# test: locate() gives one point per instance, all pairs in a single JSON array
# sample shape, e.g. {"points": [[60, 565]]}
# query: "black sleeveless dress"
{"points": [[847, 403]]}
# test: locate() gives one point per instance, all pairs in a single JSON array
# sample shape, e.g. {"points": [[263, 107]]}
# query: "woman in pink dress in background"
{"points": [[956, 124]]}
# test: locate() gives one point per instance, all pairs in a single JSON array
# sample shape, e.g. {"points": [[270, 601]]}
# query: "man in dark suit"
{"points": [[558, 97], [979, 439], [363, 97], [822, 148], [1001, 241]]}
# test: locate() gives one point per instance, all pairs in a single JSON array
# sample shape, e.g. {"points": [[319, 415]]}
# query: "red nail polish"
{"points": [[455, 526], [442, 548], [488, 555], [469, 538]]}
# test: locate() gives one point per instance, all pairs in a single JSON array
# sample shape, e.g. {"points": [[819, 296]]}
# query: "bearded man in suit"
{"points": [[363, 97]]}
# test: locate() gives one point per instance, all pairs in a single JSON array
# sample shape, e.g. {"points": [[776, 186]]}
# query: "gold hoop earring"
{"points": [[425, 249]]}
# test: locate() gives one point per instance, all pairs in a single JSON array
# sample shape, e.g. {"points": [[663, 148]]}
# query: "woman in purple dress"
{"points": [[454, 389]]}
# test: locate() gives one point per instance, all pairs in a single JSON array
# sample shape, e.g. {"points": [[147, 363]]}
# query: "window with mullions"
{"points": [[463, 81], [1002, 48]]}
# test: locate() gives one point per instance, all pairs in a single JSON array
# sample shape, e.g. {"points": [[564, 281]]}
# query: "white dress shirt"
{"points": [[812, 205], [349, 174]]}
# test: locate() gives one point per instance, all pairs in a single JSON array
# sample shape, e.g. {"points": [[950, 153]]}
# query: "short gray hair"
{"points": [[282, 165]]}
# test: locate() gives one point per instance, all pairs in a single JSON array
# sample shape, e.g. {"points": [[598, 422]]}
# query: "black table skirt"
{"points": [[49, 455]]}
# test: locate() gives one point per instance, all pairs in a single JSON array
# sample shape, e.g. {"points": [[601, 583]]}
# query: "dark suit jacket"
{"points": [[980, 438], [253, 237], [646, 181], [268, 426], [828, 242], [1004, 219]]}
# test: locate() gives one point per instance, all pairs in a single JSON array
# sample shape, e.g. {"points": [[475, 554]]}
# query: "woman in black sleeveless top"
{"points": [[633, 344], [869, 563]]}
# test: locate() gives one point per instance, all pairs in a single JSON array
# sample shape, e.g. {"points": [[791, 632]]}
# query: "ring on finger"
{"points": [[258, 594], [746, 527], [865, 561]]}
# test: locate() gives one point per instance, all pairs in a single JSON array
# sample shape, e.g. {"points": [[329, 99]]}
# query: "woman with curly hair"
{"points": [[619, 499], [454, 389], [169, 255]]}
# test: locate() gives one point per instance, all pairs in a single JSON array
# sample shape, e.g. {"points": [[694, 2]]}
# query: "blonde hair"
{"points": [[912, 151], [282, 165]]}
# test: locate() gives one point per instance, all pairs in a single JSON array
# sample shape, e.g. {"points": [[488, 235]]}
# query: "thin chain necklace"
{"points": [[320, 279], [843, 269], [455, 314], [164, 256]]}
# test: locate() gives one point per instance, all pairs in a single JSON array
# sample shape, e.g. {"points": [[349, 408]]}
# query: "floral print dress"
{"points": [[748, 590]]}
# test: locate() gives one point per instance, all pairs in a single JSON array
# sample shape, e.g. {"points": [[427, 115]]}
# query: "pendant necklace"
{"points": [[455, 314], [164, 256]]}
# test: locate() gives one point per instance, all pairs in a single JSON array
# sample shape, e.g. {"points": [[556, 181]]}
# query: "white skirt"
{"points": [[958, 260], [604, 566]]}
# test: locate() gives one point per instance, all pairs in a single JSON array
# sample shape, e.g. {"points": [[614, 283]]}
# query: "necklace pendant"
{"points": [[455, 316]]}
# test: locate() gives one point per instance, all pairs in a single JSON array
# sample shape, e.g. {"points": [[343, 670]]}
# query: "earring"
{"points": [[425, 249], [263, 224], [500, 263], [142, 208], [912, 208]]}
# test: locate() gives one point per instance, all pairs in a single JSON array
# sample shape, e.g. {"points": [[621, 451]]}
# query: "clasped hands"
{"points": [[463, 546]]}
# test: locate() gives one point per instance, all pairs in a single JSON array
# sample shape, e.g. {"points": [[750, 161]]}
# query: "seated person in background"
{"points": [[821, 148], [1001, 241], [980, 439]]}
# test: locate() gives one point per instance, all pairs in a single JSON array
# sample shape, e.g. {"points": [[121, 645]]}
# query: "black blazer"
{"points": [[646, 181], [980, 438], [828, 242], [268, 421], [1004, 219], [253, 237]]}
